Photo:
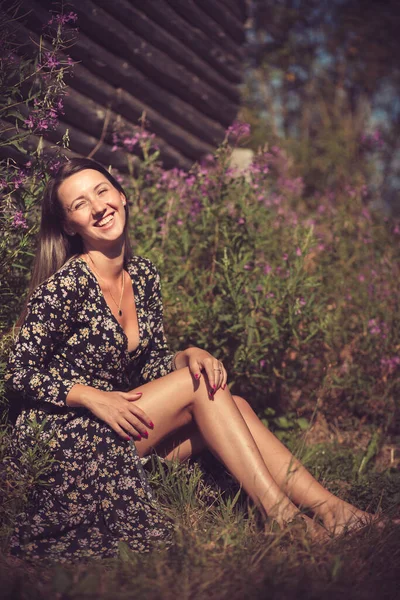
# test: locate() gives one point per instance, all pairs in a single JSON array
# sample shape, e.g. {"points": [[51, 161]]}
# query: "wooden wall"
{"points": [[180, 61]]}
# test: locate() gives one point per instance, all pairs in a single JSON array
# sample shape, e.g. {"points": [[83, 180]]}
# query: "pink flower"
{"points": [[19, 221], [298, 252], [30, 122], [267, 269], [238, 130]]}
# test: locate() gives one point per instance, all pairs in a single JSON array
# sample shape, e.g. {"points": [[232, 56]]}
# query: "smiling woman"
{"points": [[92, 367]]}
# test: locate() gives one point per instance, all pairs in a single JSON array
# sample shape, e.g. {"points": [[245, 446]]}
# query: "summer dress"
{"points": [[96, 494]]}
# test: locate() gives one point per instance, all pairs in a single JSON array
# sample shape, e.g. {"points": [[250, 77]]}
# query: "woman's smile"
{"points": [[105, 222]]}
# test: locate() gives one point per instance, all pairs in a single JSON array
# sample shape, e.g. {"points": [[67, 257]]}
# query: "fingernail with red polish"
{"points": [[145, 434], [139, 438], [151, 424], [197, 376], [128, 439], [214, 387]]}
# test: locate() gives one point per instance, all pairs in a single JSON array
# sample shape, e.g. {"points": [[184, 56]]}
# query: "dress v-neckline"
{"points": [[136, 299]]}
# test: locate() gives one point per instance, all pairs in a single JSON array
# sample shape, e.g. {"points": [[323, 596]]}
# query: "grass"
{"points": [[222, 549]]}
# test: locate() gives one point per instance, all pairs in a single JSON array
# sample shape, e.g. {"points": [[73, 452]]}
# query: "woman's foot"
{"points": [[289, 516], [340, 517], [312, 529]]}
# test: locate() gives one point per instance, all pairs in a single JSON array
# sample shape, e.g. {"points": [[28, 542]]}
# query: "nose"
{"points": [[98, 206]]}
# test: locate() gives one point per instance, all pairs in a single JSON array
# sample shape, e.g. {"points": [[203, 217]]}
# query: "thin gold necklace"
{"points": [[118, 305]]}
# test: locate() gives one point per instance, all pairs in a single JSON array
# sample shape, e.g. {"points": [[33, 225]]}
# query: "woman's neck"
{"points": [[108, 267]]}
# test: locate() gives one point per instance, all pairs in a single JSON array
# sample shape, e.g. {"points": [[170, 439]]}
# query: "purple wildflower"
{"points": [[29, 122], [238, 130], [267, 269], [19, 221]]}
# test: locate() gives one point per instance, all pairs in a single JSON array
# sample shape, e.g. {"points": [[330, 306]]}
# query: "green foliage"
{"points": [[20, 473], [31, 100]]}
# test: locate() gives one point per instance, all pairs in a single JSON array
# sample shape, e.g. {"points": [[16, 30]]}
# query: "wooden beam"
{"points": [[192, 37], [236, 9], [178, 140], [158, 37], [83, 144], [94, 119], [116, 37], [197, 18], [225, 19], [121, 74], [131, 109]]}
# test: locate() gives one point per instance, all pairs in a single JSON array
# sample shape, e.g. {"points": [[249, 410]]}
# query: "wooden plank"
{"points": [[147, 29], [90, 117], [84, 81], [83, 144], [234, 8], [126, 105], [197, 18], [121, 74], [192, 37], [225, 19], [112, 35]]}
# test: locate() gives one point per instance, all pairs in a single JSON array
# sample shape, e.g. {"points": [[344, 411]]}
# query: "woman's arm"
{"points": [[51, 313]]}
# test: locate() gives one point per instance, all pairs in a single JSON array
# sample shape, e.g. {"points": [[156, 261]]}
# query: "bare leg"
{"points": [[291, 476], [176, 400]]}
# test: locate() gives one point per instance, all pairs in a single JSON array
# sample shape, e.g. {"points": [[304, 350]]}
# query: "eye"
{"points": [[79, 205], [103, 190]]}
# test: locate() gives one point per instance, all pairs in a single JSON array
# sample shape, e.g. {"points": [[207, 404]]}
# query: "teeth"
{"points": [[104, 221]]}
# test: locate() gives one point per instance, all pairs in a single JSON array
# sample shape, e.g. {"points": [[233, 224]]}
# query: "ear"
{"points": [[68, 230], [123, 198]]}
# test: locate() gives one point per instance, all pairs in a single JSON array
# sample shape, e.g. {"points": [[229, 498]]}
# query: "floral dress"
{"points": [[95, 494]]}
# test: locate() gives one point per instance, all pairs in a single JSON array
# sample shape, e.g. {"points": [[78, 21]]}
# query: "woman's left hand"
{"points": [[200, 361]]}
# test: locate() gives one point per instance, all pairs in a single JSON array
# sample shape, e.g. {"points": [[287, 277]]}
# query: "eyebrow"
{"points": [[95, 188]]}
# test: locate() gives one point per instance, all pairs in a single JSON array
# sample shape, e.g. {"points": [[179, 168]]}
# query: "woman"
{"points": [[91, 366]]}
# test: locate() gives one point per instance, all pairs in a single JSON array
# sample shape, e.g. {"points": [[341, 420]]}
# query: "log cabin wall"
{"points": [[179, 61]]}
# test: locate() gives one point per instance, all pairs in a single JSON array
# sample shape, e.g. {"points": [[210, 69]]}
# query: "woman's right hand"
{"points": [[117, 409]]}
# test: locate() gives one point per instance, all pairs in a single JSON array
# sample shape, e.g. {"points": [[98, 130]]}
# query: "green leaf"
{"points": [[283, 423], [303, 423]]}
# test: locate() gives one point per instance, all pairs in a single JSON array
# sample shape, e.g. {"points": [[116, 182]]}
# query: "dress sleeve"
{"points": [[158, 358], [48, 323]]}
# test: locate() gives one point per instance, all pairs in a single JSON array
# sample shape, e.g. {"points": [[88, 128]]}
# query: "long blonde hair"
{"points": [[54, 246]]}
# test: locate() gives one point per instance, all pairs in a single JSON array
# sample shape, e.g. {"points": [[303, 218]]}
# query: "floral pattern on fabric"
{"points": [[96, 494]]}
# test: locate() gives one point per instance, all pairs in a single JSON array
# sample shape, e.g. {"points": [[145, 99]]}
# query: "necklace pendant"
{"points": [[120, 312]]}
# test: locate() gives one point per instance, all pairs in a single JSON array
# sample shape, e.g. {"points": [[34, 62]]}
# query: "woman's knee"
{"points": [[242, 405]]}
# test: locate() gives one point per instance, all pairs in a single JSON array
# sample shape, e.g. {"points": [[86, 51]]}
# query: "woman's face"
{"points": [[94, 209]]}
